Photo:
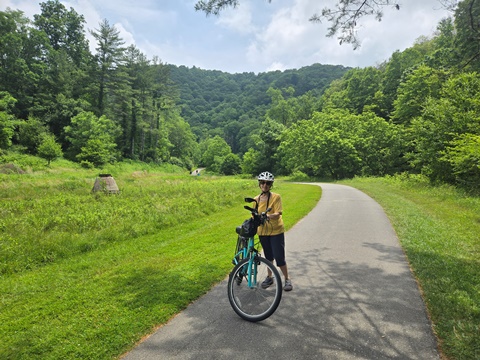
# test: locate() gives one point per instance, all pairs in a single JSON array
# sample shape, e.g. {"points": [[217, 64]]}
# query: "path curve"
{"points": [[354, 297]]}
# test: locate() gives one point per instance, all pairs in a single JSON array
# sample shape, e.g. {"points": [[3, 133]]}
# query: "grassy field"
{"points": [[439, 229], [86, 275]]}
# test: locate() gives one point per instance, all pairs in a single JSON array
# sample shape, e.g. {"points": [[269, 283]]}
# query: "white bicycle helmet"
{"points": [[266, 176]]}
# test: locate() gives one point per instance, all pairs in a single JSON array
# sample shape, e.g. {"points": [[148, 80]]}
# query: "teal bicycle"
{"points": [[248, 298]]}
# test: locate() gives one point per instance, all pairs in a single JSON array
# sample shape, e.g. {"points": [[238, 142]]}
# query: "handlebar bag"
{"points": [[248, 228]]}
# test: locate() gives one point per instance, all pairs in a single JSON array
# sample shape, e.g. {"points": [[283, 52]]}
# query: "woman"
{"points": [[272, 233]]}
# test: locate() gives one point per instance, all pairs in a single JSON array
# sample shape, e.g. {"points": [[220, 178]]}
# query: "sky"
{"points": [[257, 36]]}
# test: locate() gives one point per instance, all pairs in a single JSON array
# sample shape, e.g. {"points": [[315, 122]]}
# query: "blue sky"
{"points": [[256, 37]]}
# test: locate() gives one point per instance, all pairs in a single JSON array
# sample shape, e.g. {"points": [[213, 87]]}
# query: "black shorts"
{"points": [[274, 248]]}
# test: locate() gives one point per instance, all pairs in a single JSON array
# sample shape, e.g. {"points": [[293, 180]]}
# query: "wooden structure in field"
{"points": [[106, 183]]}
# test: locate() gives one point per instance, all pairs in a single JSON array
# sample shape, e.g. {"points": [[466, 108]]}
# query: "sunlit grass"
{"points": [[93, 273]]}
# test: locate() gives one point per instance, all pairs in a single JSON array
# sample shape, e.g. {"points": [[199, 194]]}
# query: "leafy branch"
{"points": [[344, 17]]}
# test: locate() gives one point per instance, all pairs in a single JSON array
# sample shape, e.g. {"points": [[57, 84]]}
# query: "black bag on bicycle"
{"points": [[248, 228]]}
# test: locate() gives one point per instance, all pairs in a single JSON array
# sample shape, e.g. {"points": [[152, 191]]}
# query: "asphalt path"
{"points": [[354, 297]]}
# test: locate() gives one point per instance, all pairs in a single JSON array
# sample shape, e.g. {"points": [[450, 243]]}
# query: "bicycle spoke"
{"points": [[253, 302]]}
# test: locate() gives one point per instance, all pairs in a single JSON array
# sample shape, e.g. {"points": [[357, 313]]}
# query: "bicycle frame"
{"points": [[249, 252]]}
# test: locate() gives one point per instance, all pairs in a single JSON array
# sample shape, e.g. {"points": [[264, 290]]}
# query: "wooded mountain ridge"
{"points": [[213, 101]]}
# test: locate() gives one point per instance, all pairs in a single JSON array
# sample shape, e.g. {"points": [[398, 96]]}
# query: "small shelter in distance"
{"points": [[106, 183]]}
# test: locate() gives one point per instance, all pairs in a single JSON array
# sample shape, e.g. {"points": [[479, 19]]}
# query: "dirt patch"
{"points": [[11, 169]]}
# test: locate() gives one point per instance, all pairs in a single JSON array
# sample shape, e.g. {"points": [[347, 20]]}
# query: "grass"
{"points": [[87, 275], [439, 229]]}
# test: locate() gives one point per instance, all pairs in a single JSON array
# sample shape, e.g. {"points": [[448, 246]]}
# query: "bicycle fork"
{"points": [[252, 272]]}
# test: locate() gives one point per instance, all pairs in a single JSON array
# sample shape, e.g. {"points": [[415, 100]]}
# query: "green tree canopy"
{"points": [[7, 120], [231, 165], [49, 149], [214, 150], [90, 135], [419, 85], [109, 56], [443, 123], [467, 26]]}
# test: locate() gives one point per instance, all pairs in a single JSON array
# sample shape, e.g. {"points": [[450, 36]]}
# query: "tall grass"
{"points": [[439, 229], [55, 215], [86, 275]]}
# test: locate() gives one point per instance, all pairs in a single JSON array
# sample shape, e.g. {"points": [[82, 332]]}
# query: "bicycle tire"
{"points": [[254, 303]]}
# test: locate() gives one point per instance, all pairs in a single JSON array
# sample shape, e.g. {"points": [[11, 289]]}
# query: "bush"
{"points": [[231, 165], [49, 149], [299, 176], [96, 152], [463, 154]]}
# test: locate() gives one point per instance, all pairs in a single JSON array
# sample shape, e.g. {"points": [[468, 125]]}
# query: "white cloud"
{"points": [[238, 19], [126, 35], [276, 66], [29, 8], [290, 39]]}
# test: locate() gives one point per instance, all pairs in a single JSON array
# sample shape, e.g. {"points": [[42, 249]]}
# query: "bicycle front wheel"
{"points": [[247, 297]]}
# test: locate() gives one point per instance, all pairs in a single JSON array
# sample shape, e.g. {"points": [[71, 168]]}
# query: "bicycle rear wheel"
{"points": [[249, 300]]}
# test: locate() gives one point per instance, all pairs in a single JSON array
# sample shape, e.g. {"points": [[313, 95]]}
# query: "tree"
{"points": [[95, 153], [280, 110], [65, 80], [49, 149], [390, 81], [92, 138], [338, 144], [346, 15], [214, 151], [231, 165], [23, 62], [467, 26], [250, 162], [361, 87], [316, 148], [64, 30], [268, 142], [380, 144], [335, 96], [7, 121], [441, 127], [30, 134], [181, 138], [463, 154], [419, 85], [446, 54], [109, 56]]}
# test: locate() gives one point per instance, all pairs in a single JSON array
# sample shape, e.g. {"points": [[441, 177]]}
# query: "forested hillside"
{"points": [[233, 106], [418, 112]]}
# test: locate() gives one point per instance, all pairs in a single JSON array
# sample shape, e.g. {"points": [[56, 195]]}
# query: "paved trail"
{"points": [[354, 298]]}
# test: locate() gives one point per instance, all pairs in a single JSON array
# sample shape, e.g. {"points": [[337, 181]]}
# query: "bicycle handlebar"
{"points": [[261, 217]]}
